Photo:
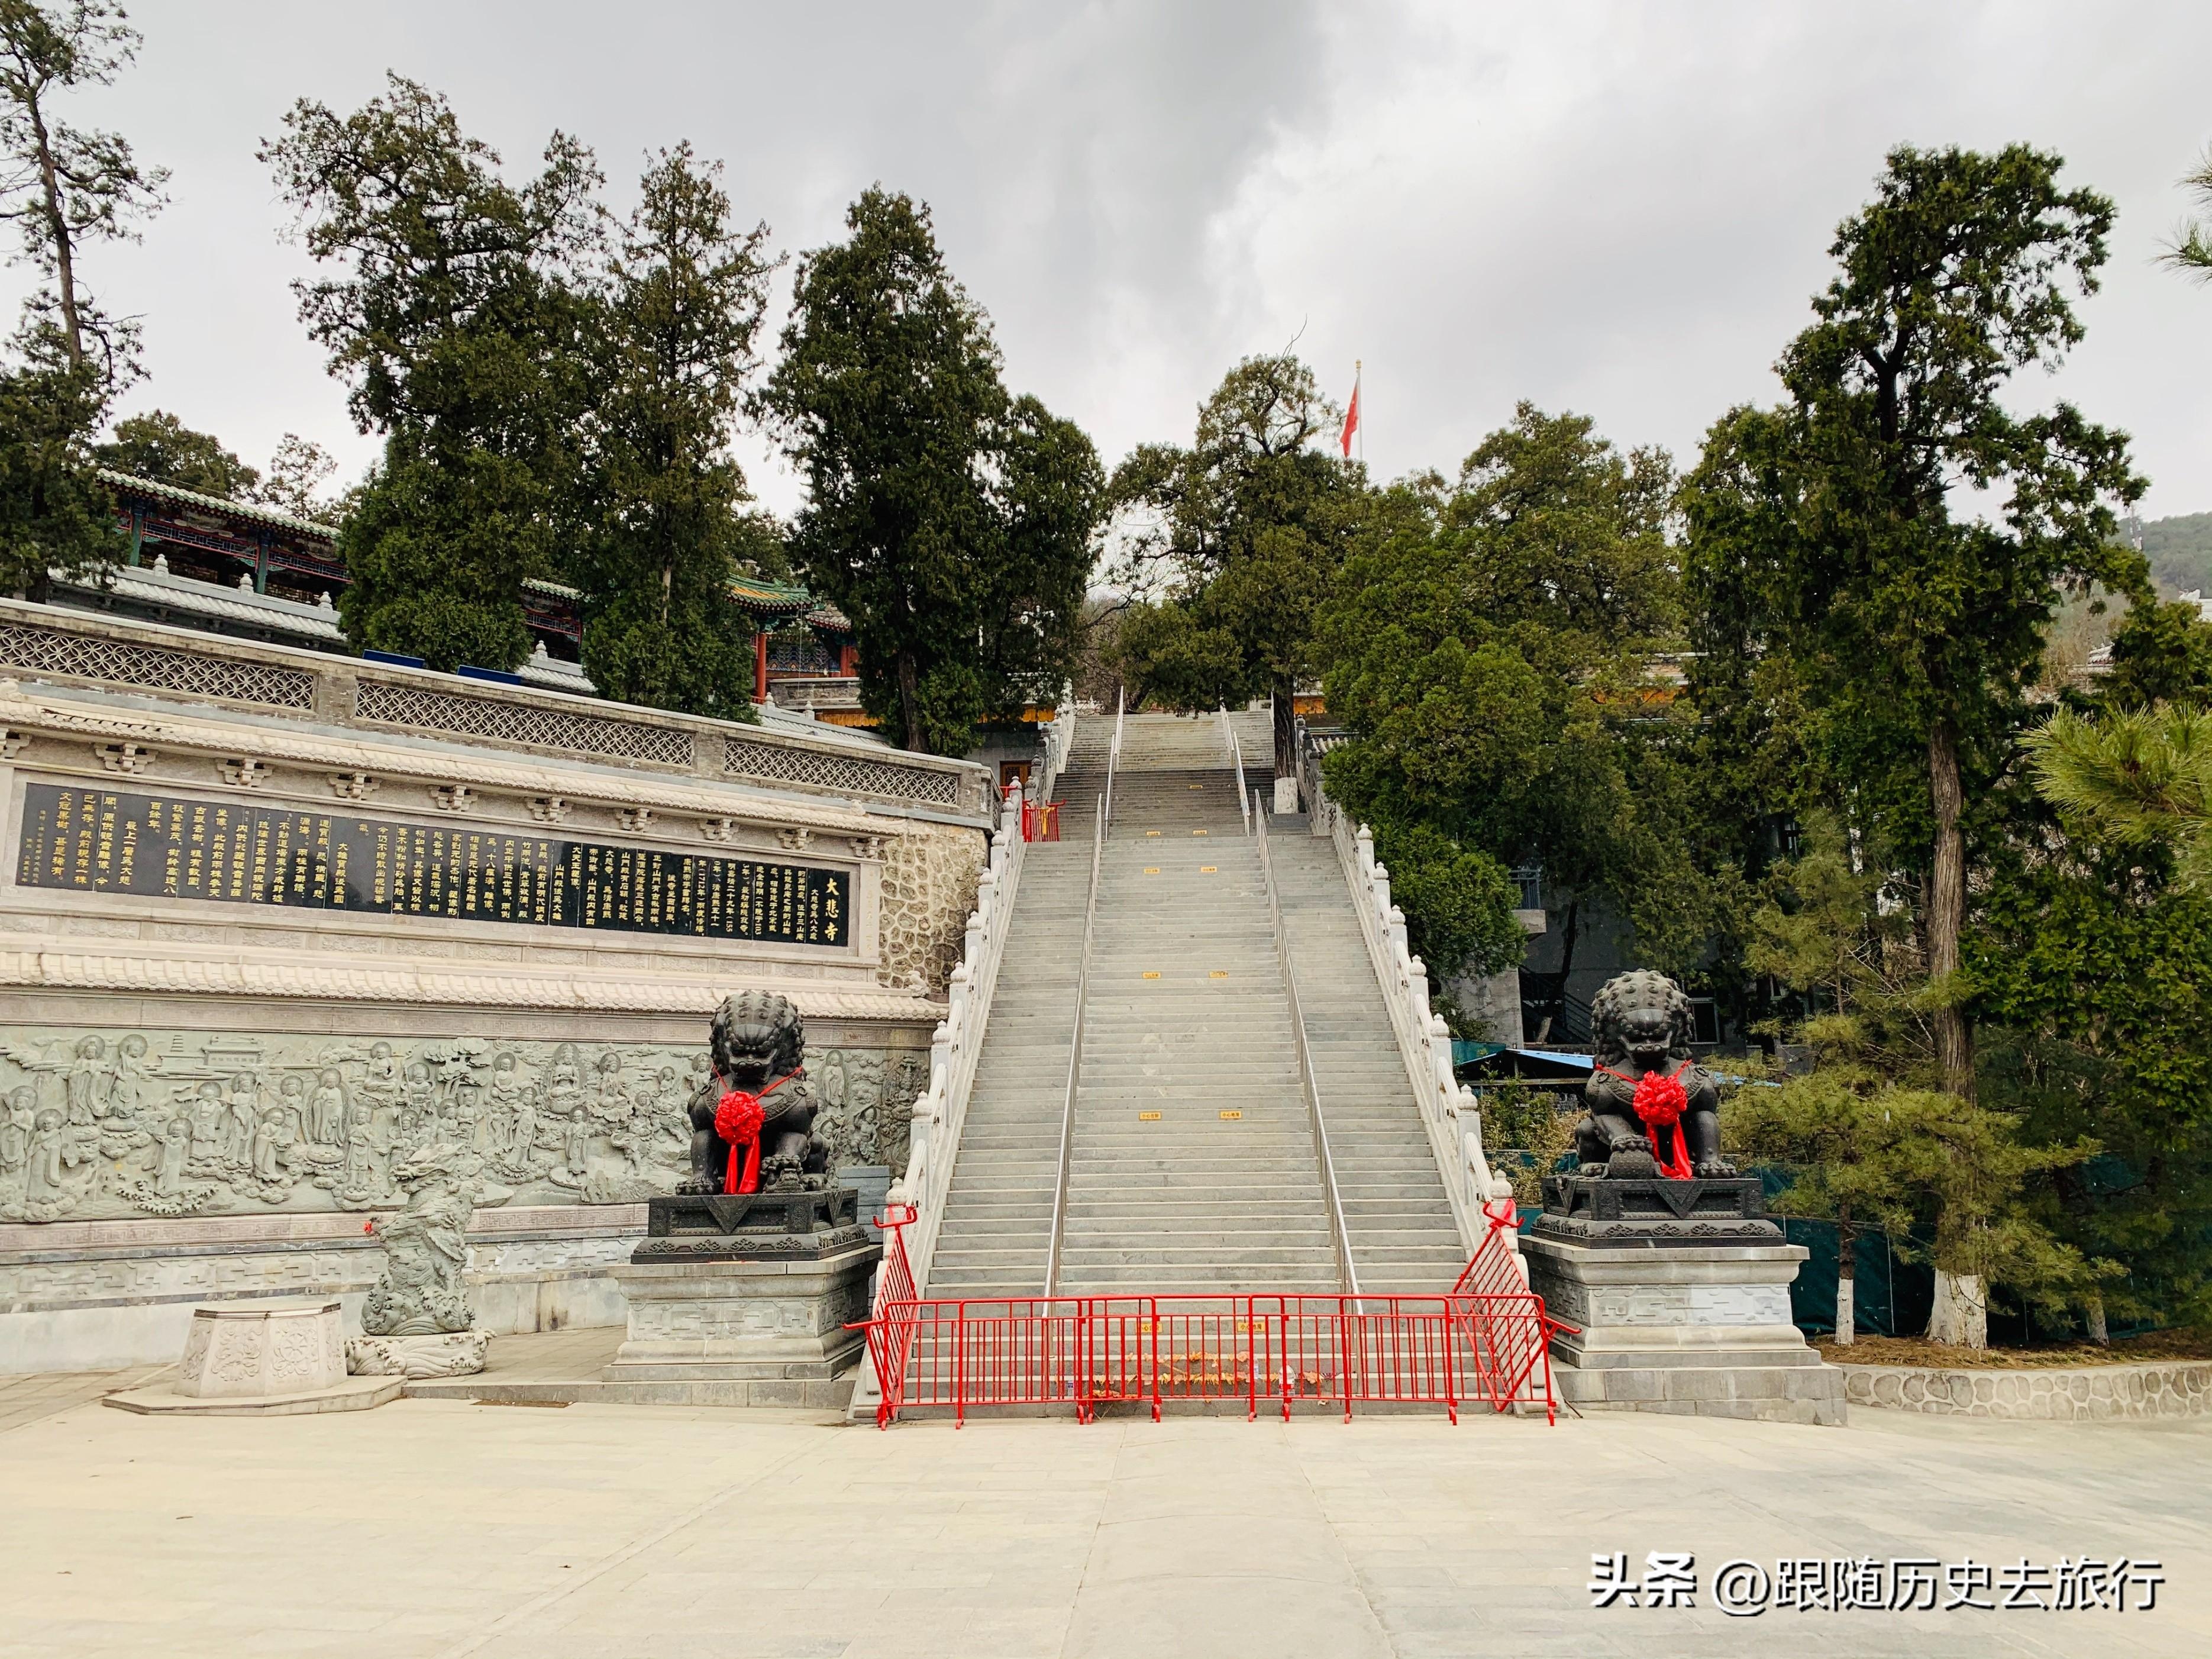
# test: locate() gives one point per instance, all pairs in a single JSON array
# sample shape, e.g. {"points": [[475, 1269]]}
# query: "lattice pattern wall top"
{"points": [[848, 774], [125, 662], [515, 722]]}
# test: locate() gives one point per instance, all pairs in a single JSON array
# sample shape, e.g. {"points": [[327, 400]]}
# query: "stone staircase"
{"points": [[1192, 1161], [1083, 779], [1397, 1216], [1193, 1166], [997, 1231]]}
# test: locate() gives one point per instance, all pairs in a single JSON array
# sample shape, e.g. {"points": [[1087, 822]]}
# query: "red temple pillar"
{"points": [[760, 666]]}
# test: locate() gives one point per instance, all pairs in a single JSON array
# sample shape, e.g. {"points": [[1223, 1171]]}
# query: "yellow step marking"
{"points": [[1227, 1115], [1152, 832], [1148, 1117], [1198, 832], [1218, 973], [1206, 870], [1152, 869], [1198, 786], [1151, 972]]}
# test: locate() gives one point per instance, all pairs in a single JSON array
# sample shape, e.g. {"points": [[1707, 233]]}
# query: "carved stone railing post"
{"points": [[1440, 1057], [1058, 733], [956, 995], [940, 1057]]}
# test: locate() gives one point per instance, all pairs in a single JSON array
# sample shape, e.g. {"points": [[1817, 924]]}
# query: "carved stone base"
{"points": [[256, 1350], [1611, 1211], [447, 1353], [774, 1316], [261, 1359], [1698, 1329], [753, 1286]]}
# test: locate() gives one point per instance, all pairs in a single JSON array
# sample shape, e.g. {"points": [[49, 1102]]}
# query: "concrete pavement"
{"points": [[437, 1527]]}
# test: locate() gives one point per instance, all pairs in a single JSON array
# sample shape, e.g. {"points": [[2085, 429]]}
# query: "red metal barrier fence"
{"points": [[1488, 1341]]}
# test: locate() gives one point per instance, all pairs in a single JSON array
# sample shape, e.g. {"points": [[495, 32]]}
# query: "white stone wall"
{"points": [[203, 1099], [90, 1296]]}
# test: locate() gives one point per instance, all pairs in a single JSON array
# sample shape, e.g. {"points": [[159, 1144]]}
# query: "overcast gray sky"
{"points": [[1616, 209]]}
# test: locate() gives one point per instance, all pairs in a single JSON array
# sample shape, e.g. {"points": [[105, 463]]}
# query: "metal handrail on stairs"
{"points": [[1059, 735], [1235, 753], [1112, 760], [1339, 1234], [1448, 1108], [1075, 1059]]}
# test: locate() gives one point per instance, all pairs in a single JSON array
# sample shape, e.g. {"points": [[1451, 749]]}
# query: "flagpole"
{"points": [[1359, 431]]}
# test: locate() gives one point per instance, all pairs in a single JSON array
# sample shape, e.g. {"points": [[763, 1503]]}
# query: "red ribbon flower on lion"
{"points": [[738, 1119]]}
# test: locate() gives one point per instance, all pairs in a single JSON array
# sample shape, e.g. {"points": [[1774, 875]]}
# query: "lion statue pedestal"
{"points": [[1657, 1250], [741, 1290]]}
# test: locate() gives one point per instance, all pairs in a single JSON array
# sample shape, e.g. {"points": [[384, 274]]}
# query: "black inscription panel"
{"points": [[99, 840]]}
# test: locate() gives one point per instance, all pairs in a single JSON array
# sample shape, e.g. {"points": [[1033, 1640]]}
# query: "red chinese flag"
{"points": [[1350, 420]]}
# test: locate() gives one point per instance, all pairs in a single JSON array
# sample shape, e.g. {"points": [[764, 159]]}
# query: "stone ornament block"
{"points": [[274, 1360], [754, 1287], [1700, 1329], [250, 1353], [722, 1319], [449, 1353], [795, 1221]]}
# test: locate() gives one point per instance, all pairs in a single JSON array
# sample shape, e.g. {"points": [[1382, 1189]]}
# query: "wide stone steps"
{"points": [[1397, 1216], [1191, 1200], [1187, 1020], [997, 1230]]}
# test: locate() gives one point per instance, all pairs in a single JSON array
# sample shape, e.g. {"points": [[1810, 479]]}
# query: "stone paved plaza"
{"points": [[441, 1527]]}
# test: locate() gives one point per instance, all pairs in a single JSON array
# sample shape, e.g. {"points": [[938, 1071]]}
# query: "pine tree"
{"points": [[685, 294], [55, 514], [1824, 531], [1487, 648], [158, 445], [950, 521], [69, 184], [1231, 544], [458, 323], [64, 186]]}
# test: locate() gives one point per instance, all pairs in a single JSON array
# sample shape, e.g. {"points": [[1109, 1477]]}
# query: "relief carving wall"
{"points": [[98, 1125]]}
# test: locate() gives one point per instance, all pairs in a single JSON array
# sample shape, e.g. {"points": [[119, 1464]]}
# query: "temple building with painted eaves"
{"points": [[265, 903], [248, 571]]}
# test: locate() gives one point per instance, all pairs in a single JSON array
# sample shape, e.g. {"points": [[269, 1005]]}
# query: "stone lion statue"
{"points": [[1653, 1110], [758, 1045]]}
